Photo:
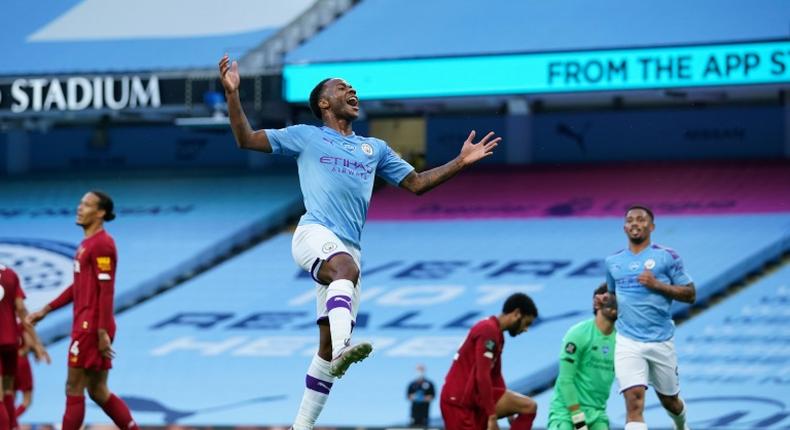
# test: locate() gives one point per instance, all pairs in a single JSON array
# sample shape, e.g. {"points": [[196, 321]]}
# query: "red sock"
{"points": [[20, 410], [8, 401], [116, 409], [75, 412], [5, 423], [523, 422]]}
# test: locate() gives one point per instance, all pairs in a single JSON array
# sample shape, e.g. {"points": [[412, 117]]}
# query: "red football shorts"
{"points": [[458, 417], [84, 352], [24, 376]]}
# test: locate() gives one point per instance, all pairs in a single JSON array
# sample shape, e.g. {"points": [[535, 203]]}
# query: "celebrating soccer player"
{"points": [[13, 314], [93, 329], [474, 394], [336, 173], [646, 278], [586, 370]]}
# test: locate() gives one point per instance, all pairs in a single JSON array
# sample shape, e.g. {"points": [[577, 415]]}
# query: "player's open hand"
{"points": [[473, 152], [34, 317], [105, 345], [229, 74], [41, 354], [647, 279]]}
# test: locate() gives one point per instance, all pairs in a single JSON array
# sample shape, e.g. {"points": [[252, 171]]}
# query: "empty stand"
{"points": [[232, 344], [167, 228]]}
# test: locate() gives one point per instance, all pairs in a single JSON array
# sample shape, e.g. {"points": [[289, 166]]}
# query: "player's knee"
{"points": [[529, 407], [99, 394], [73, 389], [634, 404], [348, 271], [671, 403], [634, 399], [342, 266], [8, 383]]}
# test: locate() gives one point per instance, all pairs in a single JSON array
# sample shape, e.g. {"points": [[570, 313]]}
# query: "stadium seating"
{"points": [[439, 28], [167, 227], [232, 345], [89, 36]]}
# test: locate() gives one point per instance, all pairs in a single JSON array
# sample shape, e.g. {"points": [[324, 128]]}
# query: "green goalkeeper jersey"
{"points": [[586, 372]]}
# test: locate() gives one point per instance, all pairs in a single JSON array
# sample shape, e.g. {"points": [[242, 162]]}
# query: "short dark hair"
{"points": [[600, 290], [643, 207], [521, 302], [106, 204], [315, 95]]}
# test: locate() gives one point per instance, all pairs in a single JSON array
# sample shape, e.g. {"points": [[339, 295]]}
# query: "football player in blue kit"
{"points": [[645, 278], [337, 169]]}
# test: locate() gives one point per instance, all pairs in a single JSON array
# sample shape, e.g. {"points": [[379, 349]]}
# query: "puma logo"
{"points": [[344, 299], [576, 136]]}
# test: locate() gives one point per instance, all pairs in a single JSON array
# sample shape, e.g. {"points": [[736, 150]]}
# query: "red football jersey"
{"points": [[21, 294], [477, 369], [93, 287], [9, 289]]}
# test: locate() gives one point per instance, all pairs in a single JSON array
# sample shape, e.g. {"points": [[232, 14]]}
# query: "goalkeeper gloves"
{"points": [[579, 420]]}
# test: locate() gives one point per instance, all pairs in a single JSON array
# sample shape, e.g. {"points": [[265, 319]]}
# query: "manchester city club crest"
{"points": [[44, 266], [367, 149], [650, 264], [329, 247]]}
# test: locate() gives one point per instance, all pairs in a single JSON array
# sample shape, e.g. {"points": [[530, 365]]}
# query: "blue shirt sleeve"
{"points": [[391, 167], [289, 140], [609, 279], [676, 270]]}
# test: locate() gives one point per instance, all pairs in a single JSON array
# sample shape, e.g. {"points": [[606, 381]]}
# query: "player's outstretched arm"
{"points": [[66, 297], [246, 138], [29, 333], [420, 183]]}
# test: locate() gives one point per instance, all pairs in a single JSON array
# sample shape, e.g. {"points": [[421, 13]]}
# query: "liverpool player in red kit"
{"points": [[90, 353], [12, 310], [474, 394]]}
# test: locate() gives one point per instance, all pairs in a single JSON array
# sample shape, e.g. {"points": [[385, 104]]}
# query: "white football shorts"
{"points": [[646, 363], [311, 246]]}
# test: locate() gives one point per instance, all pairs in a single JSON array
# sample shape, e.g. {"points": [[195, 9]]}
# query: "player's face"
{"points": [[638, 225], [342, 99], [88, 211], [520, 325]]}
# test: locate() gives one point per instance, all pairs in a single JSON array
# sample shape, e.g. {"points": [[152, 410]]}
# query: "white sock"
{"points": [[635, 425], [679, 419], [338, 302], [318, 382]]}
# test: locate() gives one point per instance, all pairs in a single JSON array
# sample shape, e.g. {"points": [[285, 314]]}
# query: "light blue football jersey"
{"points": [[643, 314], [336, 174]]}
